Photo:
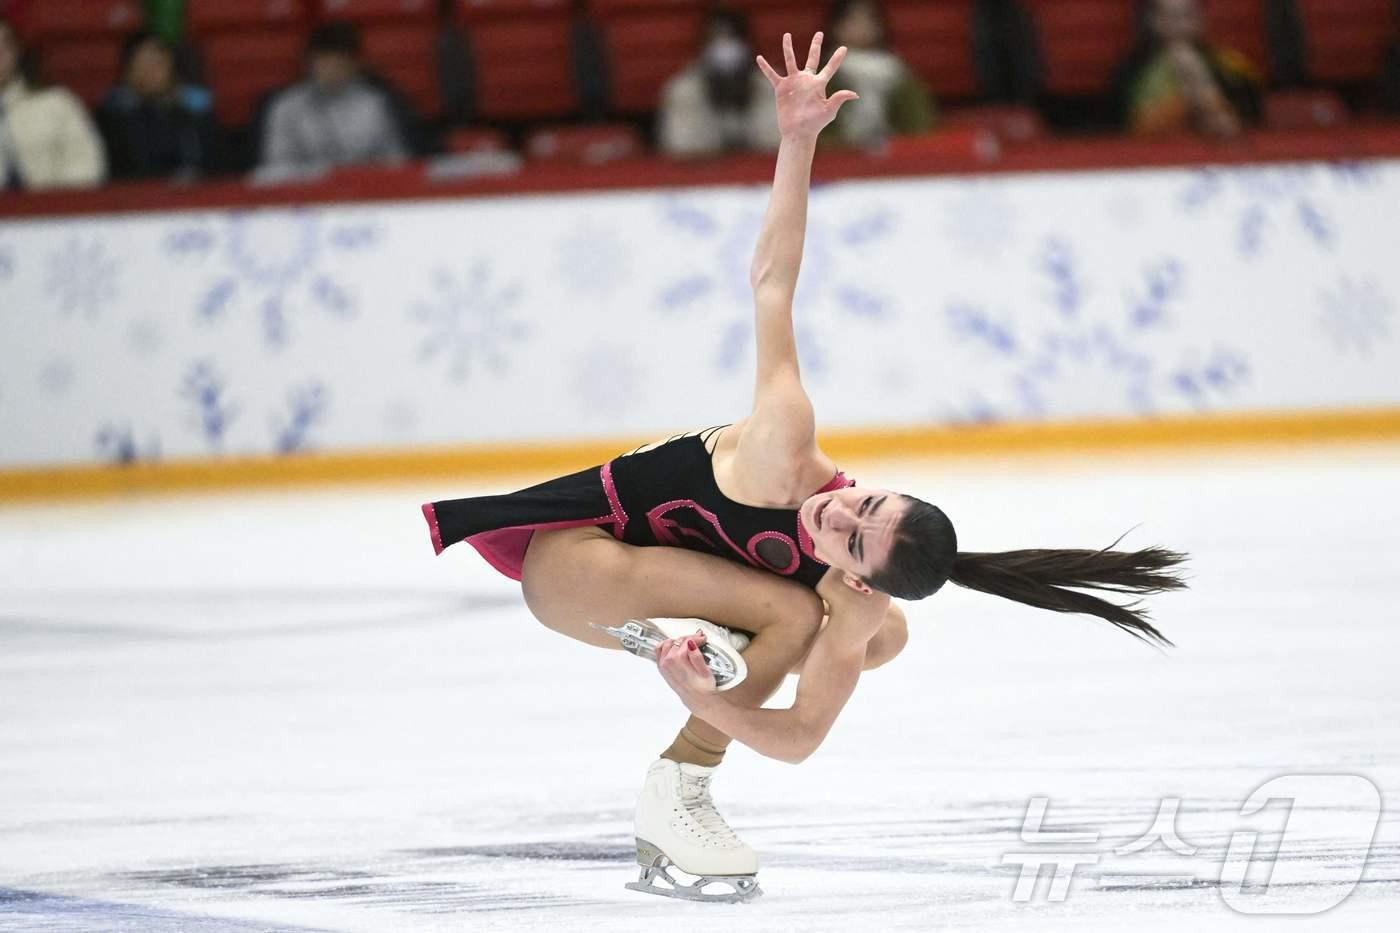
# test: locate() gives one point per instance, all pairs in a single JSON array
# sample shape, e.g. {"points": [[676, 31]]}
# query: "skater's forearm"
{"points": [[829, 677], [773, 733], [778, 257]]}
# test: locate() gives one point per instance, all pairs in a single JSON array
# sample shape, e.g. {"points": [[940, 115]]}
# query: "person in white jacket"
{"points": [[47, 138]]}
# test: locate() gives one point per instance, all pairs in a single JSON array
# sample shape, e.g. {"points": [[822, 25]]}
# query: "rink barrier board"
{"points": [[468, 463]]}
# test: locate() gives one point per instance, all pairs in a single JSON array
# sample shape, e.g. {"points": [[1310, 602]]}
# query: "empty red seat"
{"points": [[476, 139], [646, 43], [1012, 124], [69, 18], [1082, 42], [583, 145], [935, 38], [208, 16], [1241, 26], [1304, 110], [360, 11], [405, 56], [87, 67], [244, 66], [524, 57], [1345, 42]]}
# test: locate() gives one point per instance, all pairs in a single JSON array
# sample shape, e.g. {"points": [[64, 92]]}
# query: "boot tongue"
{"points": [[695, 779]]}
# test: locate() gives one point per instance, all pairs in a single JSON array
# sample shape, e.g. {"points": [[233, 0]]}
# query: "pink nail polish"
{"points": [[690, 643]]}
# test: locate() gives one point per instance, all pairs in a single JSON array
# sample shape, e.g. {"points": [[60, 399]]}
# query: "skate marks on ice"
{"points": [[35, 912]]}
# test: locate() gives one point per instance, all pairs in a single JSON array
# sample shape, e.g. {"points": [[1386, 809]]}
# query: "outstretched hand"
{"points": [[804, 110]]}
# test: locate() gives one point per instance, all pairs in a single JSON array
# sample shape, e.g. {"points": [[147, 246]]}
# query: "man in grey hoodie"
{"points": [[336, 116]]}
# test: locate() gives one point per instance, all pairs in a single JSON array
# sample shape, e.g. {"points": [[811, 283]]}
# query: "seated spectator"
{"points": [[154, 126], [46, 137], [1389, 90], [1176, 82], [720, 102], [336, 116], [893, 101]]}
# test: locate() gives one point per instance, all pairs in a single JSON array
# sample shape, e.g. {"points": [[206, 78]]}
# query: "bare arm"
{"points": [[783, 426], [829, 676]]}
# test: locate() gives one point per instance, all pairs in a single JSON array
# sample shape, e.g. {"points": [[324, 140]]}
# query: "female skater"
{"points": [[738, 509]]}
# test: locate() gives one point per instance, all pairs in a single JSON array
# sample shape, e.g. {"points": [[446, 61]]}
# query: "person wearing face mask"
{"points": [[718, 103], [1176, 82], [46, 137], [156, 127], [893, 101]]}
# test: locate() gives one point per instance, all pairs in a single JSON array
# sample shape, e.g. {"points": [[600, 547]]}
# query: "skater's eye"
{"points": [[864, 504], [851, 544]]}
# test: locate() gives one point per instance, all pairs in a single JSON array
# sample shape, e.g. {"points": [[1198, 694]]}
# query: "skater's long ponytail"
{"points": [[925, 555]]}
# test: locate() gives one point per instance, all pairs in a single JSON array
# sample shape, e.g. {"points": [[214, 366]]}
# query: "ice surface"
{"points": [[280, 711]]}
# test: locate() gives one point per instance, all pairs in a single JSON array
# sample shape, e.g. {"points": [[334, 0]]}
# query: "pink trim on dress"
{"points": [[791, 568], [665, 531], [619, 514], [431, 515], [505, 548]]}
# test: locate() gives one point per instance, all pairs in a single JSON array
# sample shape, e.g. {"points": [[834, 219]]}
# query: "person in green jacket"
{"points": [[166, 18], [893, 101]]}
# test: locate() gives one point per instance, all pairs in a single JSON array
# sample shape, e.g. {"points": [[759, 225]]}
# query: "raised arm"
{"points": [[782, 422]]}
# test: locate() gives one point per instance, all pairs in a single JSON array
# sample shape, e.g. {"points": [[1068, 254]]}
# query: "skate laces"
{"points": [[695, 796]]}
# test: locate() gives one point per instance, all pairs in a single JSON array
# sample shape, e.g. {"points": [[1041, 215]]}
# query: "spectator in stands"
{"points": [[893, 101], [154, 126], [1174, 81], [1389, 90], [720, 102], [334, 117], [46, 137]]}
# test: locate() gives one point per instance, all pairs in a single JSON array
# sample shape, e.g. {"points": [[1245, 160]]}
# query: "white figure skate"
{"points": [[677, 826], [721, 648]]}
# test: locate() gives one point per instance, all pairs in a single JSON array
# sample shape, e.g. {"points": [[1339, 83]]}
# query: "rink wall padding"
{"points": [[531, 334], [1170, 436]]}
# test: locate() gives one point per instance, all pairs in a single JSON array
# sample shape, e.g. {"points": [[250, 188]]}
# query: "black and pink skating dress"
{"points": [[665, 496]]}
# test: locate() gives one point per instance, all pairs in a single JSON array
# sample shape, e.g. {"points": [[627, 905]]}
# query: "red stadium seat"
{"points": [[1345, 43], [524, 57], [1304, 110], [87, 67], [1082, 42], [583, 145], [1240, 25], [361, 11], [243, 67], [69, 18], [935, 39], [208, 16], [1012, 124], [405, 55], [477, 139], [646, 43]]}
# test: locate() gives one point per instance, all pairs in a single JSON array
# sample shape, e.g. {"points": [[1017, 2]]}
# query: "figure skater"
{"points": [[763, 539]]}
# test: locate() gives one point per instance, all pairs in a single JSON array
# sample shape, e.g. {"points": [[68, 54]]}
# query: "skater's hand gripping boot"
{"points": [[718, 647]]}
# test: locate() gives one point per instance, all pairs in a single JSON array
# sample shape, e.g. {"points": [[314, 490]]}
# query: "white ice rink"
{"points": [[280, 711]]}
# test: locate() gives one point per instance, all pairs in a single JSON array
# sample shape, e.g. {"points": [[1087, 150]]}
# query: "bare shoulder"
{"points": [[854, 616], [756, 468]]}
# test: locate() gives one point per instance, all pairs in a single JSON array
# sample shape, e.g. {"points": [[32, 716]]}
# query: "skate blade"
{"points": [[641, 637]]}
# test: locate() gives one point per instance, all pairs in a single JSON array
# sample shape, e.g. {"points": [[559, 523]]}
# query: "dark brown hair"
{"points": [[925, 555]]}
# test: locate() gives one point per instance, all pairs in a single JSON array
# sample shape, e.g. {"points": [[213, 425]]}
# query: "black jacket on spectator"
{"points": [[151, 139]]}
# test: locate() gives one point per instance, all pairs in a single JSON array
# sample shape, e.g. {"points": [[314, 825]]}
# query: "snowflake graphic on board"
{"points": [[1355, 314], [981, 221], [605, 381], [470, 320], [1091, 348], [277, 263], [1269, 201], [306, 407], [829, 295], [205, 390], [7, 263], [81, 277], [591, 260]]}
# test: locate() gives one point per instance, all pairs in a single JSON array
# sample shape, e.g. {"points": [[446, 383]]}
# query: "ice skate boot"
{"points": [[721, 648], [678, 827]]}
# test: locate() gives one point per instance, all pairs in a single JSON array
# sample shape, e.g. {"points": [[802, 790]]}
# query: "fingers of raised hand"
{"points": [[833, 64], [768, 72], [814, 55], [789, 57]]}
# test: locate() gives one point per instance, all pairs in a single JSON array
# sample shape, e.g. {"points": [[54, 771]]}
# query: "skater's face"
{"points": [[853, 529]]}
